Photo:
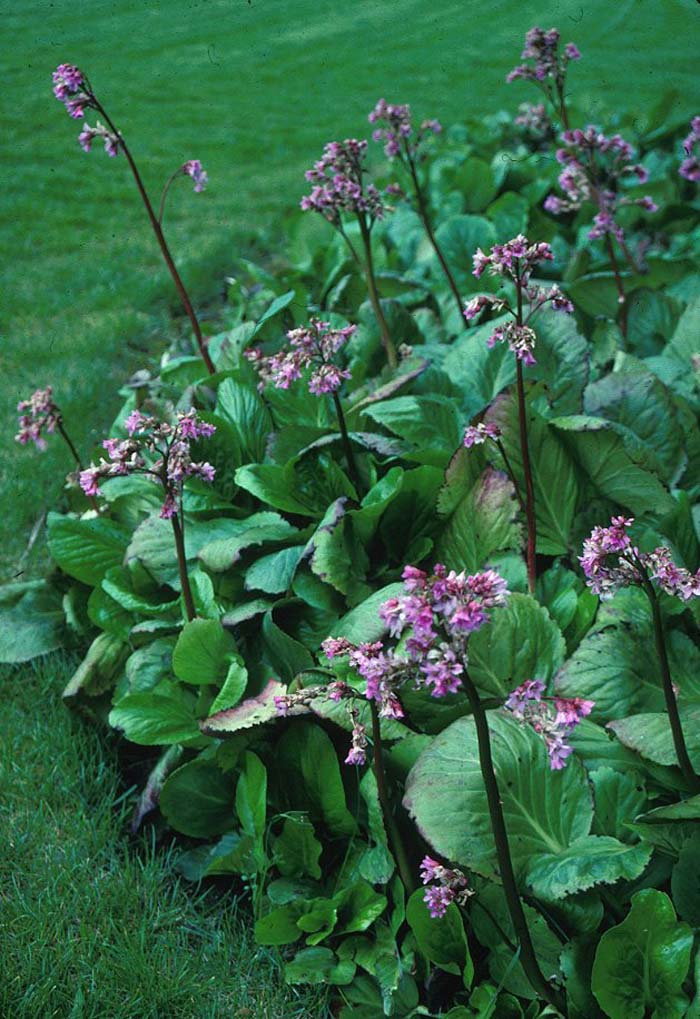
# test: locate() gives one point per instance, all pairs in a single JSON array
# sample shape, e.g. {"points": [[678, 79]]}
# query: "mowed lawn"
{"points": [[253, 88], [92, 923]]}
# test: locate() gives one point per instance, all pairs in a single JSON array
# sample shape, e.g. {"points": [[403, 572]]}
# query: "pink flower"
{"points": [[39, 414], [310, 347], [476, 435], [193, 168]]}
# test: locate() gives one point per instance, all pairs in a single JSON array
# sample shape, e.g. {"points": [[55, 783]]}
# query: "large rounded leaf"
{"points": [[545, 810], [641, 964]]}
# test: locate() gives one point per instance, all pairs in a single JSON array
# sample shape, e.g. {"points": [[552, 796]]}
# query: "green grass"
{"points": [[91, 924], [253, 88]]}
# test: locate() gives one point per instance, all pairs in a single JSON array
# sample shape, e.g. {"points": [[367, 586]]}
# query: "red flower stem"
{"points": [[390, 825], [525, 453], [425, 218], [166, 189], [69, 442], [528, 957], [347, 446], [669, 694], [387, 342], [178, 532], [162, 243], [511, 474], [621, 296]]}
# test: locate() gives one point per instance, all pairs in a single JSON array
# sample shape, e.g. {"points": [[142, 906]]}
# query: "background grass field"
{"points": [[253, 88]]}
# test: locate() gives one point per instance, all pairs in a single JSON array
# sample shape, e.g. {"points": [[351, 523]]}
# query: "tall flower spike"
{"points": [[310, 347], [546, 66], [158, 450], [39, 415]]}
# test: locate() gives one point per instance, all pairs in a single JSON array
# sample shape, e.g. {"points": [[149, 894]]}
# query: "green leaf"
{"points": [[278, 305], [509, 214], [98, 671], [363, 622], [685, 881], [164, 715], [253, 711], [242, 407], [640, 406], [641, 964], [296, 850], [224, 553], [441, 940], [152, 545], [318, 966], [285, 488], [475, 180], [545, 811], [337, 558], [274, 573], [479, 371], [520, 641], [554, 476], [603, 456], [287, 655], [617, 668], [459, 237], [618, 797], [202, 652], [32, 621], [234, 685], [309, 766], [197, 799], [588, 861], [431, 424], [148, 665], [650, 734], [278, 927], [85, 549], [483, 519], [251, 799]]}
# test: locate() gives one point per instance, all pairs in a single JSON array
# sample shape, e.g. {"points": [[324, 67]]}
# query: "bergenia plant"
{"points": [[405, 143], [340, 190], [553, 718], [610, 562], [443, 886], [546, 67], [312, 350], [596, 167], [73, 89], [162, 452], [690, 167], [515, 262]]}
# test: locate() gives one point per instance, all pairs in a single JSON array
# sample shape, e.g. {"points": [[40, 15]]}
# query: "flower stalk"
{"points": [[390, 826], [387, 342], [178, 523], [528, 957], [347, 445], [73, 89]]}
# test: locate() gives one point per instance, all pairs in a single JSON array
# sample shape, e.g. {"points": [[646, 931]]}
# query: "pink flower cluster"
{"points": [[156, 449], [450, 886], [397, 131], [476, 435], [542, 49], [441, 611], [552, 718], [313, 346], [339, 185], [37, 414], [72, 88], [594, 167], [88, 135], [690, 167], [516, 260], [535, 122], [193, 168], [610, 561]]}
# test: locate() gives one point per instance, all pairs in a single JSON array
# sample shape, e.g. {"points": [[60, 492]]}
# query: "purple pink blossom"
{"points": [[443, 886], [611, 561], [690, 167], [476, 435], [544, 60], [552, 718], [72, 88], [397, 132], [310, 347], [515, 261], [595, 166], [193, 168], [38, 415], [158, 450], [339, 185]]}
